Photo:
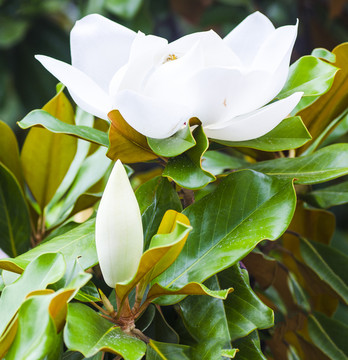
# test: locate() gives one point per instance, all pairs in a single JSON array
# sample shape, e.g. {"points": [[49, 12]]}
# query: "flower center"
{"points": [[170, 57]]}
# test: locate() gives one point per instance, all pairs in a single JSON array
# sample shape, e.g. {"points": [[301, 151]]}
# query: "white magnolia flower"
{"points": [[118, 229], [158, 87]]}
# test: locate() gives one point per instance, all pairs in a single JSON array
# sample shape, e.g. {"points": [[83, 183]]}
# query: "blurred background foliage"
{"points": [[29, 27]]}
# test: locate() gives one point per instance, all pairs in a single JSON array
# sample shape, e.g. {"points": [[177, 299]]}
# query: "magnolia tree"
{"points": [[224, 229]]}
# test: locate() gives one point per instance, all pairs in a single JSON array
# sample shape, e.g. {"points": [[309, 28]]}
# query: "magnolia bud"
{"points": [[118, 229]]}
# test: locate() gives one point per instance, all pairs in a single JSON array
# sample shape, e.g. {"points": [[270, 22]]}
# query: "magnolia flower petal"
{"points": [[85, 92], [118, 229], [145, 53], [167, 82], [151, 117], [99, 47], [247, 38], [215, 51], [255, 124], [219, 94], [274, 55]]}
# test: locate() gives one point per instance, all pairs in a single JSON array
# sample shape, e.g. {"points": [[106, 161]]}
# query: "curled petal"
{"points": [[85, 92], [215, 51], [255, 124], [99, 47], [145, 53], [274, 56], [219, 94], [151, 117], [119, 232], [247, 38]]}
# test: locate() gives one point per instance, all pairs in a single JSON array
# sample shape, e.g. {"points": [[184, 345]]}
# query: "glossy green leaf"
{"points": [[9, 153], [88, 293], [228, 217], [76, 243], [241, 313], [249, 348], [45, 156], [164, 351], [324, 54], [34, 319], [93, 169], [41, 118], [245, 312], [329, 196], [217, 162], [209, 325], [319, 114], [309, 75], [14, 215], [155, 197], [159, 329], [89, 333], [44, 270], [186, 169], [325, 164], [174, 145], [329, 335], [38, 336], [289, 134], [83, 148], [192, 288], [333, 130], [229, 353], [329, 264]]}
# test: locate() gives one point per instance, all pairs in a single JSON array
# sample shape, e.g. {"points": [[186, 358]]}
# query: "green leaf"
{"points": [[325, 164], [318, 115], [291, 133], [245, 312], [175, 145], [324, 54], [9, 153], [44, 270], [192, 288], [329, 264], [186, 169], [164, 351], [41, 118], [217, 162], [94, 168], [329, 335], [249, 348], [14, 215], [45, 156], [36, 336], [310, 75], [126, 9], [76, 243], [241, 313], [243, 201], [329, 196], [155, 197], [88, 293], [88, 333]]}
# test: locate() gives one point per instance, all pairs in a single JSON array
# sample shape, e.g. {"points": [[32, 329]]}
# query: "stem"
{"points": [[99, 308]]}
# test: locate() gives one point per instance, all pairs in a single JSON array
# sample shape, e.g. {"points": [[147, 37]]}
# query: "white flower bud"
{"points": [[119, 231]]}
